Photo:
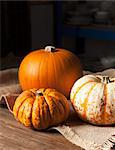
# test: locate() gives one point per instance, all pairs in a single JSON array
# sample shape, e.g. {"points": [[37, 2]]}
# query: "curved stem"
{"points": [[39, 93], [50, 48], [106, 79]]}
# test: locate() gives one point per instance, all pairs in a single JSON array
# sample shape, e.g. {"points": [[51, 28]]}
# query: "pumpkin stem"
{"points": [[50, 48], [39, 93], [106, 79]]}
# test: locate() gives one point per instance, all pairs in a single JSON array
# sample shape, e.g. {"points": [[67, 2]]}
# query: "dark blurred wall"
{"points": [[16, 29], [26, 26], [0, 31], [42, 25]]}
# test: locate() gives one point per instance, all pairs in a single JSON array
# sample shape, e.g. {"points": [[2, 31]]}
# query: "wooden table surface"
{"points": [[14, 136]]}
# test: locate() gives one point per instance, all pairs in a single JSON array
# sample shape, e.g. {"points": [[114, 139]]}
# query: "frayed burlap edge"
{"points": [[74, 138]]}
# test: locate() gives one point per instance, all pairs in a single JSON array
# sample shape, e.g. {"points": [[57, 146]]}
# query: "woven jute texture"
{"points": [[80, 133]]}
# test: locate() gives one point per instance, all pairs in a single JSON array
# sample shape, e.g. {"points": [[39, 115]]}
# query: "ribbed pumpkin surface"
{"points": [[41, 108], [93, 98], [57, 69]]}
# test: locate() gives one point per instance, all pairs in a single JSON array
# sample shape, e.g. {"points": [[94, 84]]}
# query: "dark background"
{"points": [[86, 28]]}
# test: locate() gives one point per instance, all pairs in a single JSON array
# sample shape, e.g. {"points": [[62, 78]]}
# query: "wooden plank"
{"points": [[15, 136]]}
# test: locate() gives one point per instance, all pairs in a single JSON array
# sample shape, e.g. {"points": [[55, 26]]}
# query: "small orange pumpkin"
{"points": [[50, 67], [41, 108]]}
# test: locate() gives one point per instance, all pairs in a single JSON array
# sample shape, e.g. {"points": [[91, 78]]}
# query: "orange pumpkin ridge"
{"points": [[79, 88], [86, 101], [105, 103]]}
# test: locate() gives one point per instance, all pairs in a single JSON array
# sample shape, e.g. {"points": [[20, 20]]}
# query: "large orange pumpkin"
{"points": [[50, 67]]}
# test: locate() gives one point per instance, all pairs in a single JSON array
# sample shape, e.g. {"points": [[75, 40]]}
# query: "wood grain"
{"points": [[14, 136]]}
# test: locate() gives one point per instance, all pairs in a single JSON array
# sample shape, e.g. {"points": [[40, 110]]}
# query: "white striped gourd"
{"points": [[93, 98]]}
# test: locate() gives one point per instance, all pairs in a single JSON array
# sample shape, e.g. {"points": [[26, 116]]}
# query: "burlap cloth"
{"points": [[85, 135]]}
